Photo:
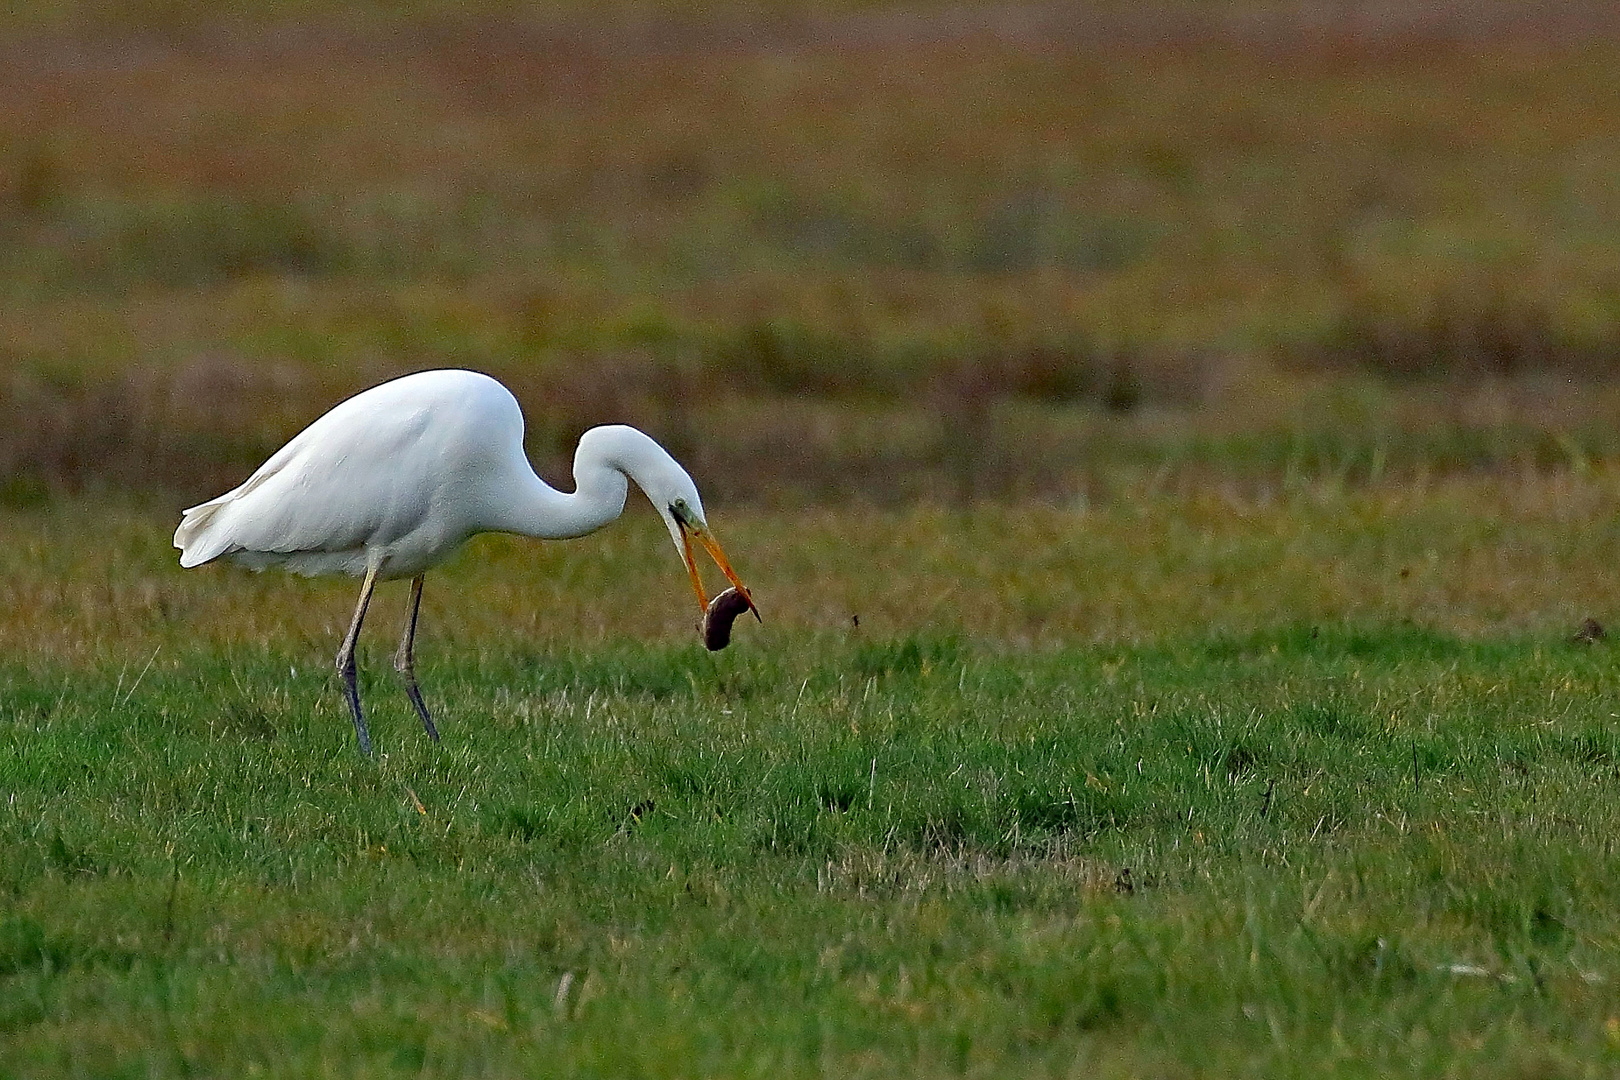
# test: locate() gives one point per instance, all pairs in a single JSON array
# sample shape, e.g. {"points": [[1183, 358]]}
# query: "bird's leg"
{"points": [[405, 660], [345, 660]]}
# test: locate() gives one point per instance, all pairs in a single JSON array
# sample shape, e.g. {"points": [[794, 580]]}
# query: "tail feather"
{"points": [[205, 531], [201, 536]]}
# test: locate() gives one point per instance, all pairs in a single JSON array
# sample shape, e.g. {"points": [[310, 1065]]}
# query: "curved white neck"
{"points": [[535, 508], [607, 459]]}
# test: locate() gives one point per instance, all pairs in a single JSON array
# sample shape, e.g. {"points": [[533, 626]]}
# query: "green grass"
{"points": [[1306, 803], [909, 857]]}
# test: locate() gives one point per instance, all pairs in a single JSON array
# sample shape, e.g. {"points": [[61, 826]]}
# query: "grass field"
{"points": [[1167, 785], [1172, 445]]}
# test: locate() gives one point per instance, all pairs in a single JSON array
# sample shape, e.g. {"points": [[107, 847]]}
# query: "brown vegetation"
{"points": [[821, 252]]}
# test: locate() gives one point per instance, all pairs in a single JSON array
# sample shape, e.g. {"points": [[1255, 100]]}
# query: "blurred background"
{"points": [[822, 250]]}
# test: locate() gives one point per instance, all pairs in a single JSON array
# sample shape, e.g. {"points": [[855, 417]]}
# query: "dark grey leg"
{"points": [[405, 660], [345, 661]]}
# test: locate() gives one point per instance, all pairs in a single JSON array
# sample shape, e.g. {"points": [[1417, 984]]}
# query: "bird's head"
{"points": [[684, 516], [675, 497]]}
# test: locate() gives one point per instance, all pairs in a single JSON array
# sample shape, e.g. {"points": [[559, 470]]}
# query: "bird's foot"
{"points": [[407, 673], [351, 694], [415, 695]]}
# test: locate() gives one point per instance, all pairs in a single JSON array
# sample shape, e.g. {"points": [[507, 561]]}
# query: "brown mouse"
{"points": [[720, 614]]}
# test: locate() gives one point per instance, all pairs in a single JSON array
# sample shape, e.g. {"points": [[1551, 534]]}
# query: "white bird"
{"points": [[391, 481]]}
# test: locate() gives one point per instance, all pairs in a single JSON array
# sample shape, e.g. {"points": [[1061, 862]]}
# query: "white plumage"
{"points": [[391, 481]]}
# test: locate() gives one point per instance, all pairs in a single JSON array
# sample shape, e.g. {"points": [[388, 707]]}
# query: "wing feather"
{"points": [[354, 477]]}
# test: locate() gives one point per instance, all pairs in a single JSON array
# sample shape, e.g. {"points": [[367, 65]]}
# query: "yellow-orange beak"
{"points": [[712, 546]]}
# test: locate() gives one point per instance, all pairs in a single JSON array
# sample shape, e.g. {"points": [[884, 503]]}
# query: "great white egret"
{"points": [[394, 479]]}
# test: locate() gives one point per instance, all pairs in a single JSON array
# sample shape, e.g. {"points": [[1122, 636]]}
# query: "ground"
{"points": [[1165, 785]]}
